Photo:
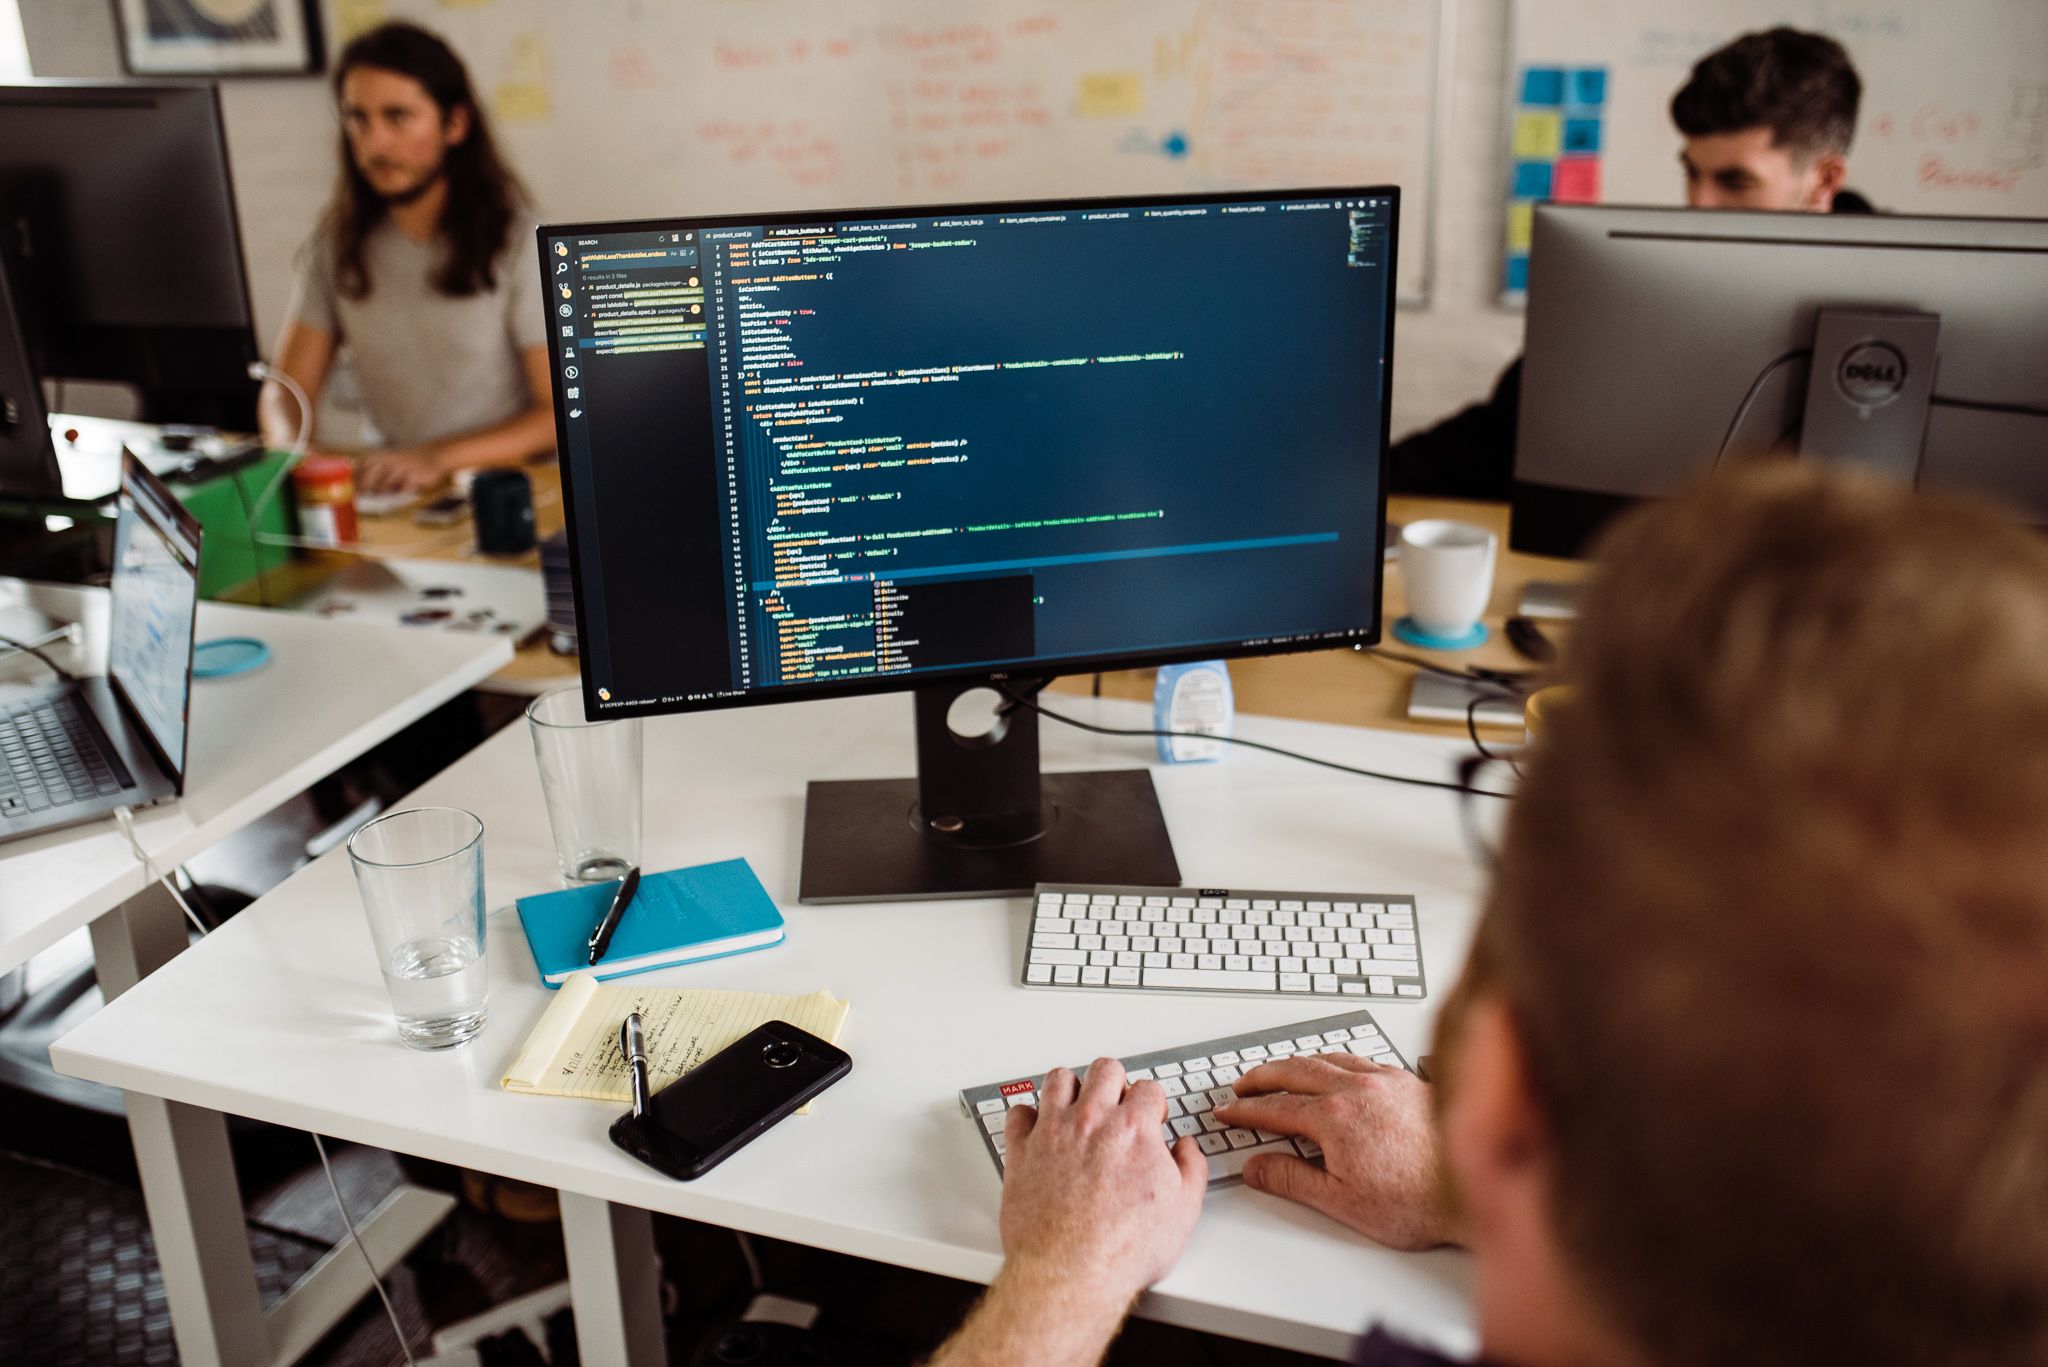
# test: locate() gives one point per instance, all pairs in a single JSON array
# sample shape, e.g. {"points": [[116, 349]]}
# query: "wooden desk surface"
{"points": [[1360, 689], [534, 668], [1351, 687]]}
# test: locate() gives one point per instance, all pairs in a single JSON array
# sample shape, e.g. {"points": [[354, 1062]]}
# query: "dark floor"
{"points": [[78, 1275]]}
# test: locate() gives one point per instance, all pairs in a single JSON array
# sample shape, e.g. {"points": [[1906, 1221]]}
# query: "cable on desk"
{"points": [[62, 672], [125, 818], [1031, 706], [357, 1240]]}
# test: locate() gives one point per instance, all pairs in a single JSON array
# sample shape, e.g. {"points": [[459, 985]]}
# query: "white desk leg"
{"points": [[195, 1203], [188, 1170], [614, 1282]]}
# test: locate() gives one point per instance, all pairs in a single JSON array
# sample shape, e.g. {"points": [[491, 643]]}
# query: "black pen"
{"points": [[601, 938], [634, 1047]]}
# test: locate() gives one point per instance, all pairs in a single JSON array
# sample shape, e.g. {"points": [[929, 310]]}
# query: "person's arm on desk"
{"points": [[1095, 1209], [508, 443], [1382, 1170]]}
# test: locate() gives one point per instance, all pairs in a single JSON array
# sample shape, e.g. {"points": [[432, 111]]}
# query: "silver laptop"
{"points": [[73, 750]]}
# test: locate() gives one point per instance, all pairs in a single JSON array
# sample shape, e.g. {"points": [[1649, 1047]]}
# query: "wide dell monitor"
{"points": [[1661, 341], [927, 449]]}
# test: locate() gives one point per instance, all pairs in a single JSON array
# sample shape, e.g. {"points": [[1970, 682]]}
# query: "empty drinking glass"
{"points": [[590, 775], [421, 874]]}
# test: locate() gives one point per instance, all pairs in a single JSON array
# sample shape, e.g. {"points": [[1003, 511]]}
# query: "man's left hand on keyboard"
{"points": [[1381, 1173]]}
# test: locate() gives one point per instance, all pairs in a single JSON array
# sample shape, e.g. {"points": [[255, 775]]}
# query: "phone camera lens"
{"points": [[781, 1054]]}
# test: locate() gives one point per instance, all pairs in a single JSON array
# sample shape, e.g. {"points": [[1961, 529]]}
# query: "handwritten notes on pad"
{"points": [[574, 1050]]}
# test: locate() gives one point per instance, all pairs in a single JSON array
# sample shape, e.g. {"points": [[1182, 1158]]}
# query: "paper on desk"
{"points": [[574, 1050]]}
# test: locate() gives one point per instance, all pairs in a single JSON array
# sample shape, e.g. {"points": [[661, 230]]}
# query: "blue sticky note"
{"points": [[1532, 180], [1542, 85], [1582, 135], [1518, 273], [1589, 86]]}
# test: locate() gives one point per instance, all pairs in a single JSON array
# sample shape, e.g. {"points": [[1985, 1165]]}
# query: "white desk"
{"points": [[281, 1015], [330, 691]]}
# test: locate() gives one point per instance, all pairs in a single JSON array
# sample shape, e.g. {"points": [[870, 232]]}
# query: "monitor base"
{"points": [[864, 842]]}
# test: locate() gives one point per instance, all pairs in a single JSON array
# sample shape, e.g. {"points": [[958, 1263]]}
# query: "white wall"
{"points": [[281, 138]]}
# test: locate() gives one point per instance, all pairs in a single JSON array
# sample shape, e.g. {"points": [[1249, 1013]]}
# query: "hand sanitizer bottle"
{"points": [[1192, 697]]}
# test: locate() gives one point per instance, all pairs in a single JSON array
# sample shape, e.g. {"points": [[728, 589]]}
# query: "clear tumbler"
{"points": [[421, 874], [590, 775]]}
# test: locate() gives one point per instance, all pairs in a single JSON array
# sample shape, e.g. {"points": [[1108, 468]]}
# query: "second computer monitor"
{"points": [[1661, 340], [119, 235], [875, 450]]}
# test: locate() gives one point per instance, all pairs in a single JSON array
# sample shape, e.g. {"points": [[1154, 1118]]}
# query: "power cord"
{"points": [[259, 370], [1756, 388], [125, 819], [357, 1239], [62, 672], [1031, 706]]}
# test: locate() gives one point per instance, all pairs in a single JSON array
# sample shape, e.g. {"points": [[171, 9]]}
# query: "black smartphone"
{"points": [[730, 1099]]}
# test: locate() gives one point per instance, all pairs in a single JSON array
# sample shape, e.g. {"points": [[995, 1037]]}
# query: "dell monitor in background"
{"points": [[119, 236], [928, 449], [1648, 330]]}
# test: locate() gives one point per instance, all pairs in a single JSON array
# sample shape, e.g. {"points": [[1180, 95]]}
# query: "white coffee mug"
{"points": [[1447, 571]]}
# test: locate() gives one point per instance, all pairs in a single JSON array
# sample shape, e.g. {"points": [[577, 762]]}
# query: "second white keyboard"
{"points": [[1317, 944], [1198, 1078]]}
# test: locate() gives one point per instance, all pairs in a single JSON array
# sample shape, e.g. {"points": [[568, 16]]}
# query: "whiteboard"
{"points": [[650, 108], [1954, 117]]}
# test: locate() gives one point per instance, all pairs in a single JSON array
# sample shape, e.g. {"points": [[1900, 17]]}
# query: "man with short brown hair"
{"points": [[1750, 1061]]}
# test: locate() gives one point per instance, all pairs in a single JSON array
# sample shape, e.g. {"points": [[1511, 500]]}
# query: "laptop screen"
{"points": [[155, 596]]}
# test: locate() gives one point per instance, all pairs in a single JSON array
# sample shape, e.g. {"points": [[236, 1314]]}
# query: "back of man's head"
{"points": [[1801, 86], [1772, 918]]}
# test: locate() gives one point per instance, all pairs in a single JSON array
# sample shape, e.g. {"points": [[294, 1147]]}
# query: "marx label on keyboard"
{"points": [[1243, 941]]}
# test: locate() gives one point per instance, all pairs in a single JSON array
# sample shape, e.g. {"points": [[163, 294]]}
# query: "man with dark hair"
{"points": [[423, 266], [1749, 1063], [1767, 122]]}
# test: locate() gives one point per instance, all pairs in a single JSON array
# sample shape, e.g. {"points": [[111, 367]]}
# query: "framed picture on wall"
{"points": [[220, 37]]}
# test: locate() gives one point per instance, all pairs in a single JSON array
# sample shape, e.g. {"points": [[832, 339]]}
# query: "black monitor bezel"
{"points": [[596, 708]]}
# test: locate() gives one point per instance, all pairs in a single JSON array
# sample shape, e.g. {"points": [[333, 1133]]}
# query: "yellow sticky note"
{"points": [[1107, 94], [529, 55], [1520, 218], [353, 17], [521, 102], [1538, 137]]}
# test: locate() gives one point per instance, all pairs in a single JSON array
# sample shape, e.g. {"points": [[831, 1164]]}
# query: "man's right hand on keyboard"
{"points": [[1381, 1164], [1095, 1209]]}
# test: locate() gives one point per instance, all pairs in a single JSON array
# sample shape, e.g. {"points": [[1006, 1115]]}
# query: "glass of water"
{"points": [[421, 874], [590, 775]]}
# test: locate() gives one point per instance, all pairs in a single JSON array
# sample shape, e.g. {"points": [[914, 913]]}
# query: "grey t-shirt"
{"points": [[431, 365]]}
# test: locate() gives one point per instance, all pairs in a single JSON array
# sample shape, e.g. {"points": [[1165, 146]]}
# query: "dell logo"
{"points": [[1870, 375]]}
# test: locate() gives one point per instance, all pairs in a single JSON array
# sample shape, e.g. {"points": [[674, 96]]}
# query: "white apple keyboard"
{"points": [[1197, 1079], [1137, 939]]}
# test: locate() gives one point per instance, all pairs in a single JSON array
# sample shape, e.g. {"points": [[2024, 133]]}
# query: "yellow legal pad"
{"points": [[574, 1050]]}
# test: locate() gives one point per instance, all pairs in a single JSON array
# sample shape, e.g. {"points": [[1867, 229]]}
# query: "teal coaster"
{"points": [[228, 655], [1406, 630]]}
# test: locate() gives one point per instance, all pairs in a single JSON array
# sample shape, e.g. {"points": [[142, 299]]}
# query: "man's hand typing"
{"points": [[1095, 1209], [1381, 1172]]}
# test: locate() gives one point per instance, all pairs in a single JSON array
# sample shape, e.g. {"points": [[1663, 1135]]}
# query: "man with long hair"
{"points": [[423, 267], [1749, 1063]]}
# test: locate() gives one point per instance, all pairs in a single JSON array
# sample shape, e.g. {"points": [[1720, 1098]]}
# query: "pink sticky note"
{"points": [[1576, 180]]}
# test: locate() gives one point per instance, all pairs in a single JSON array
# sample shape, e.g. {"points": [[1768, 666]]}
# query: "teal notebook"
{"points": [[677, 917]]}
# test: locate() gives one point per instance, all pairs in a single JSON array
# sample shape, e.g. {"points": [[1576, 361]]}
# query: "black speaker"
{"points": [[502, 502]]}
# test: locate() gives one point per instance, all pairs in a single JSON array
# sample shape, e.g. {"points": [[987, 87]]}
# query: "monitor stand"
{"points": [[980, 820]]}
